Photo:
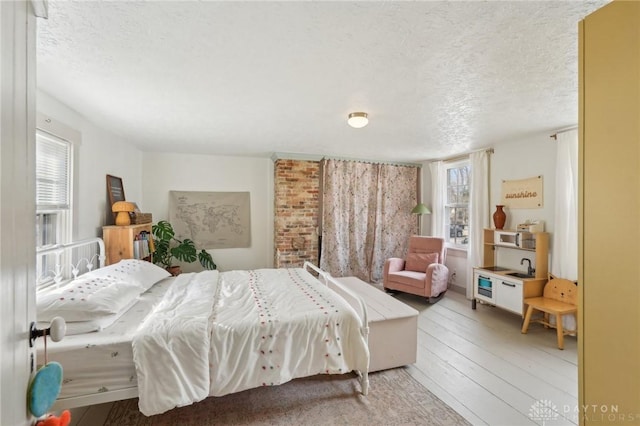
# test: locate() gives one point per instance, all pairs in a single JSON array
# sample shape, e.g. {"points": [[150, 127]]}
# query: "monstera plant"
{"points": [[169, 249]]}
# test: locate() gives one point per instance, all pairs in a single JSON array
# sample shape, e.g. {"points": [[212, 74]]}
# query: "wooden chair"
{"points": [[560, 297]]}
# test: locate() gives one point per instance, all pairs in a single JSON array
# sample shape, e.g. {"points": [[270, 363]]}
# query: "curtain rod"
{"points": [[287, 156], [465, 156], [364, 160], [555, 135]]}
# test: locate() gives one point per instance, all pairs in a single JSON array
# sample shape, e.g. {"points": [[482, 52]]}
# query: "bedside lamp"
{"points": [[123, 208]]}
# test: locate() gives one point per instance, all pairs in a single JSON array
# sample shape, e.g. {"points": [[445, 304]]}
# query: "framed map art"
{"points": [[213, 220]]}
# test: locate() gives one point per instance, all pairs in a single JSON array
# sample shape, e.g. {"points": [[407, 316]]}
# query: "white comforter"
{"points": [[263, 327], [171, 347]]}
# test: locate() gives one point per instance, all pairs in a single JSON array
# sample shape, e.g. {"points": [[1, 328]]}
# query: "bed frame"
{"points": [[67, 254], [356, 301], [69, 260]]}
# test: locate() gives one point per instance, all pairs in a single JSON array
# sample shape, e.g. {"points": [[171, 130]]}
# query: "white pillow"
{"points": [[137, 272], [86, 298], [95, 324]]}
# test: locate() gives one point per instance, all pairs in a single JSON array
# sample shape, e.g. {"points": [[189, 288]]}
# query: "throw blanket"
{"points": [[265, 327], [170, 349]]}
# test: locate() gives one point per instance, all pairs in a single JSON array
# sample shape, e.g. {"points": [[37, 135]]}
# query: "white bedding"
{"points": [[264, 327], [100, 362], [170, 349]]}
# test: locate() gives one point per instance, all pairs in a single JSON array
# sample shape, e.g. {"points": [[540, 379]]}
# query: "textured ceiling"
{"points": [[253, 78]]}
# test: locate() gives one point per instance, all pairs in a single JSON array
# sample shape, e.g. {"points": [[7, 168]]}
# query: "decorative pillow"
{"points": [[420, 261], [137, 272], [86, 298]]}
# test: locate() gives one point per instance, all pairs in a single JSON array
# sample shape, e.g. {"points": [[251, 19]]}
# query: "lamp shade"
{"points": [[357, 120], [421, 209]]}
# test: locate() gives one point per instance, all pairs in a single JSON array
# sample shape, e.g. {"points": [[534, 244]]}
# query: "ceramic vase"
{"points": [[499, 217], [174, 270]]}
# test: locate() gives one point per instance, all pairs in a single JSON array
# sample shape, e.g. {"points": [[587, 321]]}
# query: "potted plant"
{"points": [[168, 249]]}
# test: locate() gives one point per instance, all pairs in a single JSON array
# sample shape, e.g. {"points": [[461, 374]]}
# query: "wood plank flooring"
{"points": [[479, 363]]}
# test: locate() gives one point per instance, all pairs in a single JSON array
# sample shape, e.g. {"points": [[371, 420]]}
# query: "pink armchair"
{"points": [[422, 273]]}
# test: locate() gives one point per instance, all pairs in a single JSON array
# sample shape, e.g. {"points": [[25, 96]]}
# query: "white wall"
{"points": [[520, 160], [148, 178], [100, 153], [164, 172], [524, 159]]}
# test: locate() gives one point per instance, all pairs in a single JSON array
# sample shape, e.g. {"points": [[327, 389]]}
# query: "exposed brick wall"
{"points": [[297, 190]]}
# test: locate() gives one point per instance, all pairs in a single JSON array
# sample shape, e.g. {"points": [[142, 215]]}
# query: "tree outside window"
{"points": [[457, 203]]}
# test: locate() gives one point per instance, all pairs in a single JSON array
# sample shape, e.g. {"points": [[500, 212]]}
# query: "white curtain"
{"points": [[438, 184], [478, 212], [564, 255]]}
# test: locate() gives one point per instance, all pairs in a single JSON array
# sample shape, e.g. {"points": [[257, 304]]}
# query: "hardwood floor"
{"points": [[479, 363]]}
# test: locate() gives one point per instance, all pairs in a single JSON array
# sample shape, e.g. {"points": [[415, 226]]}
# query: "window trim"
{"points": [[51, 128]]}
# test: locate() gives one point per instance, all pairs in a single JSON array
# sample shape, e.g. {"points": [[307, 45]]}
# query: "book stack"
{"points": [[142, 245]]}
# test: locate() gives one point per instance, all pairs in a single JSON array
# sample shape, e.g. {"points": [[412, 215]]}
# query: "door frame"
{"points": [[17, 206]]}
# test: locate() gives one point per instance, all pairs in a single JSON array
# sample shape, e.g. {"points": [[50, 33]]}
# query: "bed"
{"points": [[173, 341]]}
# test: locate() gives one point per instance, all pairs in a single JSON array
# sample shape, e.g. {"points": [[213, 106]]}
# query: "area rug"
{"points": [[395, 398]]}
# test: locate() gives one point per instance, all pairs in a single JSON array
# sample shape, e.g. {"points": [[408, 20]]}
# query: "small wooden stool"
{"points": [[559, 299]]}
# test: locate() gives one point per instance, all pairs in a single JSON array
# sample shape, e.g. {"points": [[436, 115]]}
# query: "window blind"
{"points": [[53, 160]]}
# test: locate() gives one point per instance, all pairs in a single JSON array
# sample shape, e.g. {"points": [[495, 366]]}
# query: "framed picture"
{"points": [[115, 189]]}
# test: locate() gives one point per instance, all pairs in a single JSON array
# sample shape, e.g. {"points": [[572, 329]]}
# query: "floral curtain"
{"points": [[366, 216]]}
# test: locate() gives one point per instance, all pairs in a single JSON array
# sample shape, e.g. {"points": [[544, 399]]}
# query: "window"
{"points": [[457, 203], [53, 198]]}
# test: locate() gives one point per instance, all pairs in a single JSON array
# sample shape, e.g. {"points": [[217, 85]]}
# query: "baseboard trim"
{"points": [[458, 289]]}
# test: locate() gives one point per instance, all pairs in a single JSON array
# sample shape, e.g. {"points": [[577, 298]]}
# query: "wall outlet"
{"points": [[452, 277]]}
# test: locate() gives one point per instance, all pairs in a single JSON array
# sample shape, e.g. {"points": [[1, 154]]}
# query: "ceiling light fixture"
{"points": [[358, 120]]}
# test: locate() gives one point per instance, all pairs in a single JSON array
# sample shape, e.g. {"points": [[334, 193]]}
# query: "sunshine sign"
{"points": [[522, 193]]}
